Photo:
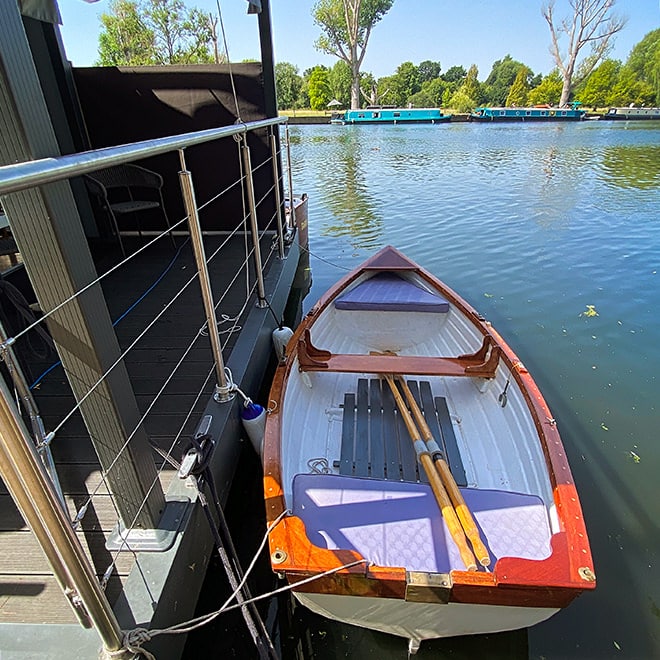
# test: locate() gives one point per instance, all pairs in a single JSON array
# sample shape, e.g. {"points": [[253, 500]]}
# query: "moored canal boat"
{"points": [[624, 114], [535, 113], [390, 115], [402, 426]]}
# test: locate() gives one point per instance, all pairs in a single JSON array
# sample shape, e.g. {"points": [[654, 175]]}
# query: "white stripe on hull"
{"points": [[419, 621]]}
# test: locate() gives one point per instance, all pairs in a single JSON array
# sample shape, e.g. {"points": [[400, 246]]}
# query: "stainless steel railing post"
{"points": [[254, 227], [278, 197], [292, 209], [223, 389], [38, 503]]}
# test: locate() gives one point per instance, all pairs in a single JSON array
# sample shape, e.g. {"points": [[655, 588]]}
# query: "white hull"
{"points": [[419, 621]]}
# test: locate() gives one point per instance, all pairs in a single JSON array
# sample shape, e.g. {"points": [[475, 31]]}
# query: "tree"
{"points": [[630, 89], [500, 79], [156, 32], [593, 24], [404, 83], [339, 78], [454, 75], [547, 91], [520, 88], [182, 36], [319, 88], [288, 84], [125, 39], [346, 26], [431, 95], [468, 96], [428, 70], [598, 87], [644, 61]]}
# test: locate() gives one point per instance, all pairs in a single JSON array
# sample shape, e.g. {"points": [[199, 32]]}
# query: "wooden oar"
{"points": [[462, 510], [439, 491]]}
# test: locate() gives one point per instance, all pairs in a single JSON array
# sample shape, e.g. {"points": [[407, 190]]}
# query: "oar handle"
{"points": [[448, 513], [462, 510], [441, 496]]}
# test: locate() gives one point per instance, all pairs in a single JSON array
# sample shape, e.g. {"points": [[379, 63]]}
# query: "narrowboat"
{"points": [[391, 115], [414, 478], [536, 113], [632, 113]]}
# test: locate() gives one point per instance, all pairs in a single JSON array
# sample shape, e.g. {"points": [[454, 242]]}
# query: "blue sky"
{"points": [[449, 31]]}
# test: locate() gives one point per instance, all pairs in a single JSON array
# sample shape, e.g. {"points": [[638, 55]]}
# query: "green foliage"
{"points": [[454, 75], [469, 95], [155, 32], [499, 81], [548, 90], [369, 88], [183, 36], [520, 88], [385, 91], [288, 84], [125, 39], [404, 83], [319, 88], [598, 87], [428, 71], [630, 89], [461, 102], [431, 94], [644, 62], [339, 79]]}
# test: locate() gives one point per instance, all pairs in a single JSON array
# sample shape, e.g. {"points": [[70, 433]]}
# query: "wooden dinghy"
{"points": [[406, 440]]}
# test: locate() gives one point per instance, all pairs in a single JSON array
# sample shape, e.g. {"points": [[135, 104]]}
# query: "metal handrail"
{"points": [[21, 176]]}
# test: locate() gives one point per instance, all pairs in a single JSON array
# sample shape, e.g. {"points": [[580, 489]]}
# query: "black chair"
{"points": [[127, 189]]}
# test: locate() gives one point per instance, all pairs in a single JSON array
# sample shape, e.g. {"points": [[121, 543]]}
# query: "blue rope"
{"points": [[126, 312]]}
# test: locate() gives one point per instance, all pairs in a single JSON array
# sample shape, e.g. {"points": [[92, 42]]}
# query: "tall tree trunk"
{"points": [[565, 92], [355, 89]]}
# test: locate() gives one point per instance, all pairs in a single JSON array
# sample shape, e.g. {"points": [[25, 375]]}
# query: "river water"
{"points": [[553, 233]]}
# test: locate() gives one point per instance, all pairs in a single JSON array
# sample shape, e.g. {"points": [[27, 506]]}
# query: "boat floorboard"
{"points": [[28, 591], [375, 442]]}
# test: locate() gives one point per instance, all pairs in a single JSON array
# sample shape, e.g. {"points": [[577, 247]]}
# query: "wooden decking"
{"points": [[28, 590]]}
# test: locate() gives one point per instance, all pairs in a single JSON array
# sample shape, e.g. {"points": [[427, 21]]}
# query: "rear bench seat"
{"points": [[398, 524]]}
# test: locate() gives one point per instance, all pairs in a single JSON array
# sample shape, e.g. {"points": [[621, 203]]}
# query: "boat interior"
{"points": [[350, 471]]}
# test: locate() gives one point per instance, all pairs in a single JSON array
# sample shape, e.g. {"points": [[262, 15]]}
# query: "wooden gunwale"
{"points": [[551, 582]]}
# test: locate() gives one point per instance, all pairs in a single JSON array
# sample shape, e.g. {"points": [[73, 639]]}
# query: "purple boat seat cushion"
{"points": [[395, 523], [387, 292]]}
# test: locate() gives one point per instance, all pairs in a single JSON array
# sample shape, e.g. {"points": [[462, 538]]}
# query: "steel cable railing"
{"points": [[26, 175]]}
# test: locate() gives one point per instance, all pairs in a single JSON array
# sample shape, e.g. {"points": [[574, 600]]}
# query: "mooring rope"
{"points": [[135, 638]]}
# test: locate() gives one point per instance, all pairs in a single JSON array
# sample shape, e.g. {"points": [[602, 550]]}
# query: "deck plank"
{"points": [[346, 464], [392, 459], [362, 429], [449, 437], [376, 444]]}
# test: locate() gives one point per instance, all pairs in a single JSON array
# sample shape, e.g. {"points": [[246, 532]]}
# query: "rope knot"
{"points": [[133, 640]]}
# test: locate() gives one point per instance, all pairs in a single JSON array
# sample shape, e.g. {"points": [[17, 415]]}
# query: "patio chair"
{"points": [[126, 189]]}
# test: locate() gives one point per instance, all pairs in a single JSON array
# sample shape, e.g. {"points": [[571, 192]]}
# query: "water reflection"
{"points": [[632, 166], [344, 191]]}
